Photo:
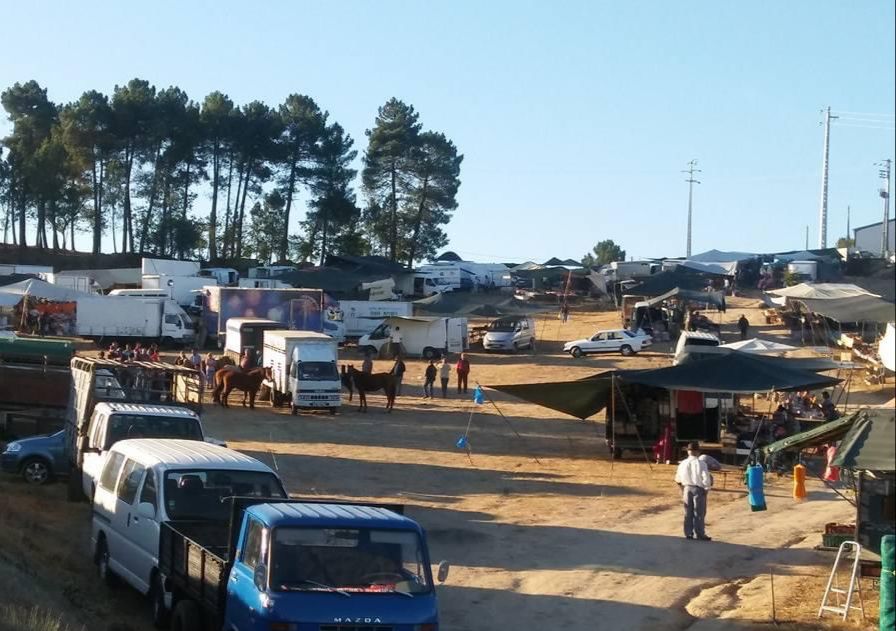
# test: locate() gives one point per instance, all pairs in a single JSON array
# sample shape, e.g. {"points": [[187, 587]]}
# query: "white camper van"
{"points": [[426, 337]]}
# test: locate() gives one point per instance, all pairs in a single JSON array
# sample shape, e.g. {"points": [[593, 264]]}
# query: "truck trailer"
{"points": [[133, 318], [360, 317], [427, 337]]}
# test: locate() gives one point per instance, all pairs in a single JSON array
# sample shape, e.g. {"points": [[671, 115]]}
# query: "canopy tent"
{"points": [[481, 304], [821, 291], [870, 444], [862, 308], [715, 298], [332, 280], [11, 295], [581, 398], [710, 269], [731, 372], [718, 256], [758, 347], [9, 279], [829, 432], [802, 255], [664, 282]]}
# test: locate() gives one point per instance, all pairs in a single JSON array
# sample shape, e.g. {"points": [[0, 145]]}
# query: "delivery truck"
{"points": [[427, 337], [303, 368], [360, 317], [133, 318], [300, 309], [300, 564], [181, 289]]}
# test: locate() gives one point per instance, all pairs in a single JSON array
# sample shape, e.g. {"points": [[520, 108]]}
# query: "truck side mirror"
{"points": [[259, 578], [442, 575]]}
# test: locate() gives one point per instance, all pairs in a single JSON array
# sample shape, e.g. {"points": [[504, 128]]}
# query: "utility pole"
{"points": [[885, 193], [847, 226], [807, 237], [823, 211], [692, 168]]}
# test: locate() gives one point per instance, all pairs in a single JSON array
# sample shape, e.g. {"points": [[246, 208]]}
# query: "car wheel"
{"points": [[161, 617], [102, 564], [626, 350], [36, 471], [576, 352], [369, 349], [186, 617]]}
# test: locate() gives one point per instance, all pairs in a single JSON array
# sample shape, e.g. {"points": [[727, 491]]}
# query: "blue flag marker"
{"points": [[462, 442], [478, 396]]}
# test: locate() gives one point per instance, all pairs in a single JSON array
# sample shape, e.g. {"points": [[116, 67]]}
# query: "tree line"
{"points": [[131, 165]]}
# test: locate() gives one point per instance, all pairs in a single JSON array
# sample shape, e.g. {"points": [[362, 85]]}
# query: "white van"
{"points": [[147, 481], [510, 333], [112, 422], [694, 344]]}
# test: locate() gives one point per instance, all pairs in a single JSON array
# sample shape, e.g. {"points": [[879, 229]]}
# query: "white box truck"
{"points": [[427, 337], [132, 317], [181, 289], [168, 267], [303, 369], [360, 317]]}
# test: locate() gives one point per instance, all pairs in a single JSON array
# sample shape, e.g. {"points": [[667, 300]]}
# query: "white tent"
{"points": [[822, 291], [757, 346], [11, 295]]}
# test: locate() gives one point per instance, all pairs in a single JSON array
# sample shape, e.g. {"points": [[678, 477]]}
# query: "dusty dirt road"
{"points": [[543, 531]]}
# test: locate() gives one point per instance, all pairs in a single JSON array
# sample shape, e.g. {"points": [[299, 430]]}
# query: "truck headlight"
{"points": [[12, 448]]}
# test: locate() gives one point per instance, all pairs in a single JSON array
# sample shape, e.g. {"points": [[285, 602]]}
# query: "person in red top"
{"points": [[463, 372]]}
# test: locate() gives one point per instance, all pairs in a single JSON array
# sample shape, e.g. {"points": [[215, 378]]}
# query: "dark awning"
{"points": [[870, 444], [581, 398], [731, 372], [715, 298], [853, 309], [829, 432]]}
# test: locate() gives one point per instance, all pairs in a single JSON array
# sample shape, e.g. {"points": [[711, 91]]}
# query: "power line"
{"points": [[868, 114]]}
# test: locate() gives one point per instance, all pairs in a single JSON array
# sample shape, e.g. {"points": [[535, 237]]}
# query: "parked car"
{"points": [[696, 345], [37, 459], [510, 333], [616, 341]]}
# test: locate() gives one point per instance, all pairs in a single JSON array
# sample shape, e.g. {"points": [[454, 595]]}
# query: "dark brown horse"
{"points": [[346, 379], [371, 382], [228, 379]]}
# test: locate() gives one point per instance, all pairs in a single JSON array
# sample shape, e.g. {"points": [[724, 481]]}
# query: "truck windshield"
{"points": [[503, 326], [350, 560], [317, 371], [123, 426], [196, 494]]}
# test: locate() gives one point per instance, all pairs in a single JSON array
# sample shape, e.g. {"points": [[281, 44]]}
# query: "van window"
{"points": [[252, 553], [130, 481], [110, 471], [98, 426], [172, 318], [148, 493], [699, 341]]}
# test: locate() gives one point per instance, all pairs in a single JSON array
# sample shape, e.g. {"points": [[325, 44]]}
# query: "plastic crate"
{"points": [[833, 528], [834, 540]]}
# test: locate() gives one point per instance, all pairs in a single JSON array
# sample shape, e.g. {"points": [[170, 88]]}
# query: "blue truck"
{"points": [[293, 565]]}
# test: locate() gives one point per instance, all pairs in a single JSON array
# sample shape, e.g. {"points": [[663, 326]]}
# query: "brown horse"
{"points": [[228, 378], [371, 382], [346, 379]]}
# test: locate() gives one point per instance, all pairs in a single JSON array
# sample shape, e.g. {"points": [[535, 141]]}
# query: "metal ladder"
{"points": [[842, 609]]}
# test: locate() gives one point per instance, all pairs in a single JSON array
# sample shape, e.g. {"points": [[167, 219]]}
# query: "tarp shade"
{"points": [[821, 291], [11, 295], [480, 304], [664, 282], [863, 308], [582, 398], [829, 432], [715, 298], [870, 444], [757, 346], [710, 269], [731, 372], [717, 256]]}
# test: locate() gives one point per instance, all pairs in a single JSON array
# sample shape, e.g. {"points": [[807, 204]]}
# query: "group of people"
{"points": [[440, 370], [127, 353]]}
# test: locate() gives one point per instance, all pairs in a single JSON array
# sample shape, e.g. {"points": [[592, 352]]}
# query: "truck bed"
{"points": [[194, 557]]}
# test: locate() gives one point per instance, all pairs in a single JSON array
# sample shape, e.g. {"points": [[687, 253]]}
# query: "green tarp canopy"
{"points": [[853, 309], [829, 432], [664, 282], [715, 298], [581, 398], [870, 443], [732, 372]]}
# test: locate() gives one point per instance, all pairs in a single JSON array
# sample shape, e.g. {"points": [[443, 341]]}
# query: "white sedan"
{"points": [[617, 341]]}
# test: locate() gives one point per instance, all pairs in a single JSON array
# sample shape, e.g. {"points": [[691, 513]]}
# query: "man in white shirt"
{"points": [[395, 342], [695, 481]]}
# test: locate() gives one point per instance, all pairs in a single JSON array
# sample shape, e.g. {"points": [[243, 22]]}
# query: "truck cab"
{"points": [[313, 375], [309, 565], [112, 422]]}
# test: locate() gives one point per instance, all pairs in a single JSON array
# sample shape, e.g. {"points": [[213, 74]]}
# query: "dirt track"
{"points": [[571, 540]]}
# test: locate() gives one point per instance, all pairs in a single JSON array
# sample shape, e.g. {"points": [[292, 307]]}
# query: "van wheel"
{"points": [[626, 350], [186, 617], [369, 349], [576, 352], [429, 353], [107, 576], [167, 342], [332, 411], [295, 410], [161, 617], [532, 344]]}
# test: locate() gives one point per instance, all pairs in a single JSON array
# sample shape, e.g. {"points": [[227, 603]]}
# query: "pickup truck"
{"points": [[300, 565]]}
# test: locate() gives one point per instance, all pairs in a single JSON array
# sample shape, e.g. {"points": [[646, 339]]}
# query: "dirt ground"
{"points": [[542, 530]]}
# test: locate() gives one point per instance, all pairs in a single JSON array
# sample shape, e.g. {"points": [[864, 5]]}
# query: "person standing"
{"points": [[196, 360], [444, 375], [429, 379], [246, 361], [398, 369], [395, 342], [209, 368], [463, 373], [367, 364], [744, 326], [695, 481]]}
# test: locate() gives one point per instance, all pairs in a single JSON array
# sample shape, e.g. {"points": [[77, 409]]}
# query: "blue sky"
{"points": [[575, 119]]}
